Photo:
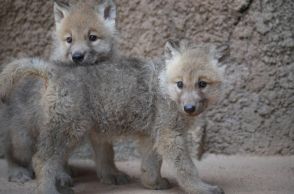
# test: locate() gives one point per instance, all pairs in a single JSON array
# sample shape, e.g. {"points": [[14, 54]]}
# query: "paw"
{"points": [[20, 175], [215, 190], [116, 178], [66, 190], [202, 188], [64, 180], [57, 190], [159, 184], [208, 189]]}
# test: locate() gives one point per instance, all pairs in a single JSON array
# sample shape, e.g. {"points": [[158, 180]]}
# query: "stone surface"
{"points": [[256, 114]]}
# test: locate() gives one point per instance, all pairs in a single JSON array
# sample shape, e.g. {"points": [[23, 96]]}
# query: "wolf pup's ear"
{"points": [[107, 9], [220, 51], [61, 9], [172, 49]]}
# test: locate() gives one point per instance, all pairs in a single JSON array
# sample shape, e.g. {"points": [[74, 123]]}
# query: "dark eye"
{"points": [[202, 84], [92, 38], [69, 40], [180, 84]]}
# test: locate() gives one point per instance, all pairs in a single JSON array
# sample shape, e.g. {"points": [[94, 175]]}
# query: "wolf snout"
{"points": [[78, 57], [189, 108]]}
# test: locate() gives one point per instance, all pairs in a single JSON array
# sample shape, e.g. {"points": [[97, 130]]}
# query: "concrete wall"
{"points": [[257, 112]]}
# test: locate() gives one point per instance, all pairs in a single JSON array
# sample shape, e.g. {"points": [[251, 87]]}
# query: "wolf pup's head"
{"points": [[84, 32], [192, 78]]}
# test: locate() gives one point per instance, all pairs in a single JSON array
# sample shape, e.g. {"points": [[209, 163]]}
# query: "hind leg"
{"points": [[19, 158], [151, 166], [19, 152], [104, 159]]}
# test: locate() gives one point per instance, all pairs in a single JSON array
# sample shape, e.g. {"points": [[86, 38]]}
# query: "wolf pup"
{"points": [[84, 35], [155, 103]]}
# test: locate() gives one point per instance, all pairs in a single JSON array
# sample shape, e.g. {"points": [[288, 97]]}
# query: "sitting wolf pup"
{"points": [[127, 97]]}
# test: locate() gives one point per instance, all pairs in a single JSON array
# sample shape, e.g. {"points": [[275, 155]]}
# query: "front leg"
{"points": [[151, 166], [104, 159], [172, 144]]}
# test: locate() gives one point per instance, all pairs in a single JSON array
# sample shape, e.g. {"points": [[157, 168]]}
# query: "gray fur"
{"points": [[20, 117], [104, 97], [111, 99], [22, 135], [103, 49]]}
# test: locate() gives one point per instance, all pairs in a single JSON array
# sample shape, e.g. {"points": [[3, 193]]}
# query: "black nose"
{"points": [[189, 108], [78, 57]]}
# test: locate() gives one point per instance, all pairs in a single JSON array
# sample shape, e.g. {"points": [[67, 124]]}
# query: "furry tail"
{"points": [[17, 69]]}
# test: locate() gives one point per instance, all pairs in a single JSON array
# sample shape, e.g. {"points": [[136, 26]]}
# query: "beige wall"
{"points": [[257, 112]]}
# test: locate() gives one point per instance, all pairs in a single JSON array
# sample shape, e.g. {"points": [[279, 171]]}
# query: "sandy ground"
{"points": [[235, 174]]}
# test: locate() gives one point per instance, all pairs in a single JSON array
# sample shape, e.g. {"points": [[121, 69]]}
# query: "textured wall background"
{"points": [[257, 112]]}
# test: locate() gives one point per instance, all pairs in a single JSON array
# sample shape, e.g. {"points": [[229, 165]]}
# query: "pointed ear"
{"points": [[107, 10], [220, 51], [61, 9], [172, 48]]}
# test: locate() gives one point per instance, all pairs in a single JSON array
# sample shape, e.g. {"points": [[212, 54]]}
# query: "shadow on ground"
{"points": [[235, 174]]}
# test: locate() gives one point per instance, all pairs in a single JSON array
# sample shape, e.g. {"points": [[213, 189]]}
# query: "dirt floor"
{"points": [[235, 174]]}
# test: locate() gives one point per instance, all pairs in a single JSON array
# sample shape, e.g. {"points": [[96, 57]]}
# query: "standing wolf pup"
{"points": [[85, 34], [155, 103], [93, 30]]}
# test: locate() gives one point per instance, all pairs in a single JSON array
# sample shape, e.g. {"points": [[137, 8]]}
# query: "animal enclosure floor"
{"points": [[235, 174]]}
